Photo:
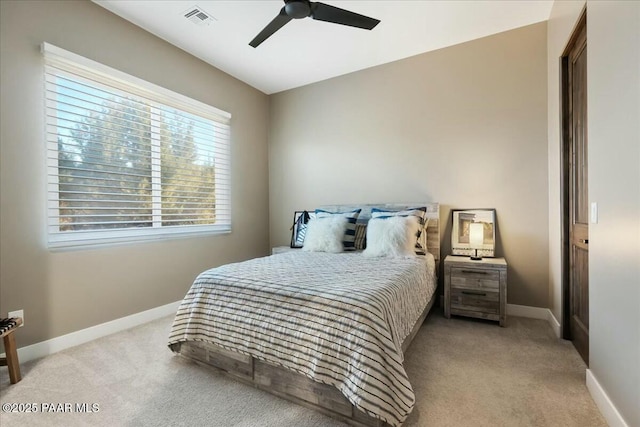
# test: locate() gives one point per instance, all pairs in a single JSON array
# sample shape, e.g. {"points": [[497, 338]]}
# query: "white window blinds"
{"points": [[128, 160]]}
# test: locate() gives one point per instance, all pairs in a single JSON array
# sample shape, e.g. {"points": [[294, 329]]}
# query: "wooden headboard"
{"points": [[433, 214]]}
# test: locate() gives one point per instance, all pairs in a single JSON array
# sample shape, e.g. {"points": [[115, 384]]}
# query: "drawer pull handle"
{"points": [[482, 294], [474, 272]]}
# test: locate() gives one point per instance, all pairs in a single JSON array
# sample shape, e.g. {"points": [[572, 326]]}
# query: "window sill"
{"points": [[64, 245]]}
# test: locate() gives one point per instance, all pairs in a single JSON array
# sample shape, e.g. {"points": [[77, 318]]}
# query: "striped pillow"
{"points": [[350, 233], [420, 213], [361, 236]]}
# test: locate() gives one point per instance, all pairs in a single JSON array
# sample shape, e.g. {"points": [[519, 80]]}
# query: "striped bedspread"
{"points": [[339, 319]]}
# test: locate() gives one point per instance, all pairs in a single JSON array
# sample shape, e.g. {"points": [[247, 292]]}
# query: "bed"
{"points": [[325, 330]]}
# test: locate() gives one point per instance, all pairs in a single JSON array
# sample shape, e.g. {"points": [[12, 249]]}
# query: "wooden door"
{"points": [[577, 206]]}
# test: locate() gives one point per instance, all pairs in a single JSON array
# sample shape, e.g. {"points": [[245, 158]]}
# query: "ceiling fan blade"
{"points": [[328, 13], [273, 26]]}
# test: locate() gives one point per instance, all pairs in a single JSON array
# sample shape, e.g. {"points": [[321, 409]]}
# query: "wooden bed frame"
{"points": [[296, 387]]}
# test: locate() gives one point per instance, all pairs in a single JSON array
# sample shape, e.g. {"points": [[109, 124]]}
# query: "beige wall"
{"points": [[63, 292], [613, 70], [464, 126], [613, 49]]}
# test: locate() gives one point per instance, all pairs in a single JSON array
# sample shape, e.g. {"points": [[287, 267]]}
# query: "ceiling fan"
{"points": [[298, 9]]}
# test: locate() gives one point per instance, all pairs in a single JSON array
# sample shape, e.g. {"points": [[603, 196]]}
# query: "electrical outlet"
{"points": [[17, 313]]}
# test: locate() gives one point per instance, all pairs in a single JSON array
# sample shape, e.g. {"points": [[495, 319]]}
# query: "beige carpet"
{"points": [[464, 373]]}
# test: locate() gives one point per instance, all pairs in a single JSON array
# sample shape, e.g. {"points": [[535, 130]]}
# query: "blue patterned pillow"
{"points": [[350, 233], [420, 213]]}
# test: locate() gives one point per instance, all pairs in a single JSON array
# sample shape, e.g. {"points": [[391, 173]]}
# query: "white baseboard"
{"points": [[73, 339], [535, 313], [606, 406], [555, 325]]}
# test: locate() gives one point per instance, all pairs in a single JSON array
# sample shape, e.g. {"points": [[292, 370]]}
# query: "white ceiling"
{"points": [[306, 51]]}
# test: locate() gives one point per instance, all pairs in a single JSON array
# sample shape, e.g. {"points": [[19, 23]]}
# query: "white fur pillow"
{"points": [[394, 236], [325, 234]]}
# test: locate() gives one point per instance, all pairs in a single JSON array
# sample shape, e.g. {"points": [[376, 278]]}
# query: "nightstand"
{"points": [[475, 288], [282, 249]]}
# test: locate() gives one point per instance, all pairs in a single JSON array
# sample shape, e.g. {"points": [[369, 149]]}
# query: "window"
{"points": [[128, 160]]}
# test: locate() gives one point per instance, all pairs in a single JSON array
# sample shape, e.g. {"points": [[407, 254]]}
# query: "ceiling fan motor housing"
{"points": [[297, 9]]}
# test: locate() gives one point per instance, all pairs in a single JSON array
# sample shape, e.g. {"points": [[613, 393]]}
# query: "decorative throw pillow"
{"points": [[299, 228], [325, 234], [361, 237], [300, 235], [349, 238], [420, 213], [392, 236]]}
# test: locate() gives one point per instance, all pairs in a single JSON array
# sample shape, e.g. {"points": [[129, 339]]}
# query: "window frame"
{"points": [[64, 62]]}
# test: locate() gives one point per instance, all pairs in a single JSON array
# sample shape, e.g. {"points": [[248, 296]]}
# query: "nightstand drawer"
{"points": [[475, 278], [475, 300]]}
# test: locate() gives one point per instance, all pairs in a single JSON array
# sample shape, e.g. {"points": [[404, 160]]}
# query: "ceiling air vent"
{"points": [[198, 16]]}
